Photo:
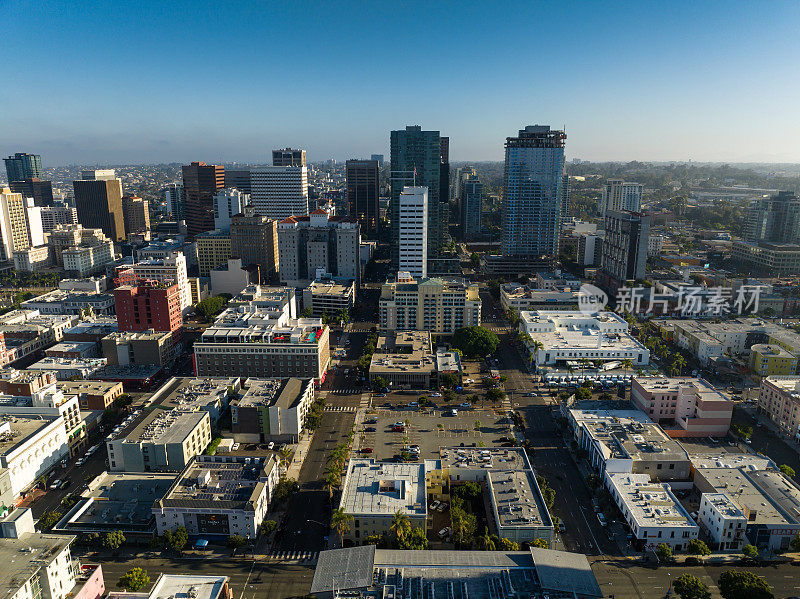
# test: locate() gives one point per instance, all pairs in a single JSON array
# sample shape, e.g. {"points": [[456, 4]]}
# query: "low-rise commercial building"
{"points": [[92, 395], [435, 305], [524, 298], [39, 566], [278, 299], [405, 360], [76, 302], [329, 297], [249, 341], [723, 521], [210, 395], [219, 496], [271, 409], [767, 257], [652, 512], [66, 368], [772, 360], [173, 586], [32, 259], [125, 348], [690, 407], [29, 447], [72, 349], [569, 336]]}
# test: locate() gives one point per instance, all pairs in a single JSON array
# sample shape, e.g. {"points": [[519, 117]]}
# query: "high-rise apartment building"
{"points": [[417, 161], [79, 250], [175, 198], [624, 254], [228, 202], [137, 214], [53, 216], [412, 241], [98, 200], [278, 192], [254, 239], [435, 305], [316, 243], [213, 250], [148, 305], [362, 194], [21, 166], [775, 219], [170, 269], [20, 223], [201, 182], [565, 209], [40, 191], [471, 207], [533, 177], [288, 157], [620, 195], [238, 178]]}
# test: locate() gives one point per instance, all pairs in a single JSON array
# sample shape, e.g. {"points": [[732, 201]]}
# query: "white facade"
{"points": [[413, 227], [279, 191], [654, 244], [621, 195], [231, 279], [722, 519], [38, 566], [33, 259], [42, 444], [53, 216], [171, 268], [20, 223], [227, 203], [87, 260]]}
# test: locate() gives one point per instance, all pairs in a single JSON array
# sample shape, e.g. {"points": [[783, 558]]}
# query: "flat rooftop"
{"points": [[86, 386], [724, 505], [650, 504], [196, 393], [162, 427], [15, 430], [282, 393], [71, 346], [22, 558], [117, 500], [787, 384], [179, 586], [132, 372], [209, 483], [726, 459], [383, 488], [643, 441], [570, 329], [68, 364], [331, 289]]}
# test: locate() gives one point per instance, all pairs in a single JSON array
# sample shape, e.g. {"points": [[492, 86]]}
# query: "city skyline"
{"points": [[674, 82]]}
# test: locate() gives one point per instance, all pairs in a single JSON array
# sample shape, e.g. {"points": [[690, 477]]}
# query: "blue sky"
{"points": [[126, 82]]}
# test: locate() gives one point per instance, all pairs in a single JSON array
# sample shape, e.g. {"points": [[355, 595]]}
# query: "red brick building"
{"points": [[149, 305]]}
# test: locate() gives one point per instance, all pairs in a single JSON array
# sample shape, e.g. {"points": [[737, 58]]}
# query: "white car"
{"points": [[435, 505], [469, 381], [271, 445], [444, 532], [235, 446], [79, 462], [56, 484]]}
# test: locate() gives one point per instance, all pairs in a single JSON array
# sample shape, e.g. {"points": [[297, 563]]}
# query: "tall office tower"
{"points": [[175, 198], [416, 160], [53, 216], [228, 202], [620, 195], [200, 182], [533, 177], [444, 190], [377, 158], [98, 199], [462, 173], [288, 157], [20, 223], [254, 239], [471, 207], [318, 242], [137, 214], [413, 231], [624, 249], [775, 219], [278, 192], [362, 194], [23, 166], [238, 178], [40, 191]]}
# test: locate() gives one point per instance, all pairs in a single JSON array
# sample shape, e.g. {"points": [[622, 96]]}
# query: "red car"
{"points": [[366, 450], [398, 429]]}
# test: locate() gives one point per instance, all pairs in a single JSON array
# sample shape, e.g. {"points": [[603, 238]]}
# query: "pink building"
{"points": [[683, 406], [91, 583]]}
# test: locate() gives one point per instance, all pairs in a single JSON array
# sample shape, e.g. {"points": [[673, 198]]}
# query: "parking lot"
{"points": [[431, 430]]}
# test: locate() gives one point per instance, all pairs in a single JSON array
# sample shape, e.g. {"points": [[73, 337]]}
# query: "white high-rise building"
{"points": [[413, 232], [171, 268], [620, 195], [20, 223], [228, 202], [278, 192]]}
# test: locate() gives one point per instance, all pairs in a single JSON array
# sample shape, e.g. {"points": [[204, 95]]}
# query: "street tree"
{"points": [[742, 584], [134, 579], [691, 587]]}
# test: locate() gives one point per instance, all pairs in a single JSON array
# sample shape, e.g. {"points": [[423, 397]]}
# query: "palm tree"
{"points": [[678, 364], [340, 522], [486, 541], [627, 365], [584, 363], [330, 481], [400, 525]]}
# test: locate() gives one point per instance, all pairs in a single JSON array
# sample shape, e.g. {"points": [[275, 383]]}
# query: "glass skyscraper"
{"points": [[533, 193], [22, 166]]}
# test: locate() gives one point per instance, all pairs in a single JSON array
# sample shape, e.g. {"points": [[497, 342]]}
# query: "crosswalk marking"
{"points": [[305, 556], [340, 409]]}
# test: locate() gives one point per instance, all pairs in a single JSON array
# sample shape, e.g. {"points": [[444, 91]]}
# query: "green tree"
{"points": [[583, 394], [401, 524], [340, 522], [285, 488], [464, 525], [795, 544], [378, 383], [306, 312], [664, 552], [475, 341], [211, 306], [691, 587], [495, 395], [741, 584], [507, 545], [176, 539], [449, 380], [468, 490], [49, 520], [542, 543], [698, 547], [414, 538], [787, 470], [449, 395], [750, 551], [113, 539], [134, 579], [268, 527], [606, 397], [236, 541], [477, 425]]}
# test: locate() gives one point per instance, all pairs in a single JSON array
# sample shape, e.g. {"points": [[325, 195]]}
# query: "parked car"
{"points": [[444, 505], [271, 445], [366, 450], [436, 394], [235, 446], [445, 532], [596, 505], [435, 505], [79, 462], [465, 404], [399, 423], [602, 519], [369, 429], [56, 484]]}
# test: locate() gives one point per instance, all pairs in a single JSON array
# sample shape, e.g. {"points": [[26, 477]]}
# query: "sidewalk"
{"points": [[293, 471]]}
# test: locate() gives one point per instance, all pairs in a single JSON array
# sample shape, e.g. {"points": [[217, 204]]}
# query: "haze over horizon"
{"points": [[150, 83]]}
